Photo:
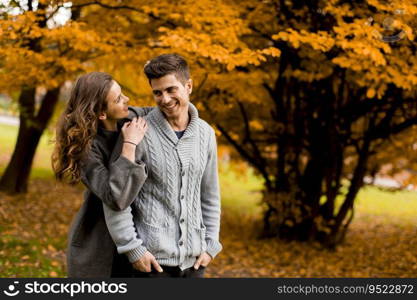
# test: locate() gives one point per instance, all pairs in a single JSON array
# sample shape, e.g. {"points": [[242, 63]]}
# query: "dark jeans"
{"points": [[123, 268], [172, 272]]}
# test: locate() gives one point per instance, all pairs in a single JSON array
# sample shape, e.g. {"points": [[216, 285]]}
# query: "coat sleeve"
{"points": [[116, 185], [140, 111], [210, 199]]}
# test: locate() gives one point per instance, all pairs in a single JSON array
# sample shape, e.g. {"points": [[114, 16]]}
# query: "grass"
{"points": [[27, 258], [241, 191], [33, 238], [42, 161], [400, 206]]}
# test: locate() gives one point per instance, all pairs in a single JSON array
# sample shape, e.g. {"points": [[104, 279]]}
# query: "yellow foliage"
{"points": [[370, 93]]}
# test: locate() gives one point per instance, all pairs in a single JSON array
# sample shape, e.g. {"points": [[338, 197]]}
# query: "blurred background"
{"points": [[314, 104]]}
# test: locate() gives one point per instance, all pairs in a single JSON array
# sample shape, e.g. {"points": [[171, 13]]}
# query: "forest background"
{"points": [[314, 105]]}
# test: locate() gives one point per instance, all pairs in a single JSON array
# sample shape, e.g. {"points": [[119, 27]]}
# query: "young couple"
{"points": [[152, 204]]}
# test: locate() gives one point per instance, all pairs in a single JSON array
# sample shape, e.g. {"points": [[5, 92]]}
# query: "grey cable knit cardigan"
{"points": [[176, 215]]}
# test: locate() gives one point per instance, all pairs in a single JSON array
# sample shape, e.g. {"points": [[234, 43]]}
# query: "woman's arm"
{"points": [[119, 184], [139, 111]]}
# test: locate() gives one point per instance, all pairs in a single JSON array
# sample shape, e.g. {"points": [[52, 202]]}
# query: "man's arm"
{"points": [[123, 232], [210, 199]]}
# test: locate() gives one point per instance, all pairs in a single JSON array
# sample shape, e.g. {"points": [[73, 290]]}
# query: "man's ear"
{"points": [[102, 116], [189, 85]]}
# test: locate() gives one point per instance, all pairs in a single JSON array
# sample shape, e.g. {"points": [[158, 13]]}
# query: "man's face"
{"points": [[171, 95]]}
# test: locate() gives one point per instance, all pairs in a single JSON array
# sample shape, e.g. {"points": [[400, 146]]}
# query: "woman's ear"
{"points": [[102, 116]]}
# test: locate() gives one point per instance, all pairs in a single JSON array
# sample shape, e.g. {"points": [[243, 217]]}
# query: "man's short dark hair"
{"points": [[166, 64]]}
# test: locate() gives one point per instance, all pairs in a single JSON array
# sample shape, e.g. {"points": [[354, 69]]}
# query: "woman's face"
{"points": [[116, 103]]}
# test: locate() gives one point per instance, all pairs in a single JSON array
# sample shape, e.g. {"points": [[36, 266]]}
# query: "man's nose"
{"points": [[165, 98]]}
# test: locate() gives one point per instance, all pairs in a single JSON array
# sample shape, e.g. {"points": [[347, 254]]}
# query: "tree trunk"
{"points": [[16, 176]]}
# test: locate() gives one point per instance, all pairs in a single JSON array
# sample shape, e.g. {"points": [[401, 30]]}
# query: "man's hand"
{"points": [[145, 262], [203, 260]]}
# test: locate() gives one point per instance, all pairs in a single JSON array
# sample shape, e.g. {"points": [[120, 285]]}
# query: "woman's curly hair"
{"points": [[78, 125]]}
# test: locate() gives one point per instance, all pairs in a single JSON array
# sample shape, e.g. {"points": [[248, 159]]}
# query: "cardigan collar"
{"points": [[160, 121]]}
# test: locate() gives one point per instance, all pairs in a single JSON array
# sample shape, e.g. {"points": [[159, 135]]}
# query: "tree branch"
{"points": [[126, 7]]}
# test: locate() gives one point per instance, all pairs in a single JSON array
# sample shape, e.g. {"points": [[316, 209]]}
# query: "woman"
{"points": [[86, 135]]}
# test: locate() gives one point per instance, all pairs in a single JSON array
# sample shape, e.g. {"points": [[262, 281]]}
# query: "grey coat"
{"points": [[114, 180]]}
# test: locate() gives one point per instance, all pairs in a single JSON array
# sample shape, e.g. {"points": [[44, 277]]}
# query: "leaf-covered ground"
{"points": [[34, 227], [373, 249]]}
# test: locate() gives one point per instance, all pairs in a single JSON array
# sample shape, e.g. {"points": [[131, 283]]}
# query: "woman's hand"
{"points": [[133, 133], [135, 130]]}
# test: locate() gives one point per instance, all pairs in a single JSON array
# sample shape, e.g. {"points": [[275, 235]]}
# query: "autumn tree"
{"points": [[308, 93], [313, 121], [36, 52], [39, 49]]}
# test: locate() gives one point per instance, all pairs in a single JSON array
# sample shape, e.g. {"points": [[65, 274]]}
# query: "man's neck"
{"points": [[179, 123]]}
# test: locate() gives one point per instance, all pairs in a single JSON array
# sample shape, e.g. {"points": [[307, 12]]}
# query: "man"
{"points": [[172, 228]]}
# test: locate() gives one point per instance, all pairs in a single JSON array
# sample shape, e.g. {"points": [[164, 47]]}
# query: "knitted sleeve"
{"points": [[123, 232], [210, 199]]}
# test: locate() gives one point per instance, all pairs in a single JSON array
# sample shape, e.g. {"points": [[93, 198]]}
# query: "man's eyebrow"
{"points": [[167, 88]]}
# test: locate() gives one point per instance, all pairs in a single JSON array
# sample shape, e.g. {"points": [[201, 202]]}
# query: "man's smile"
{"points": [[170, 106]]}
